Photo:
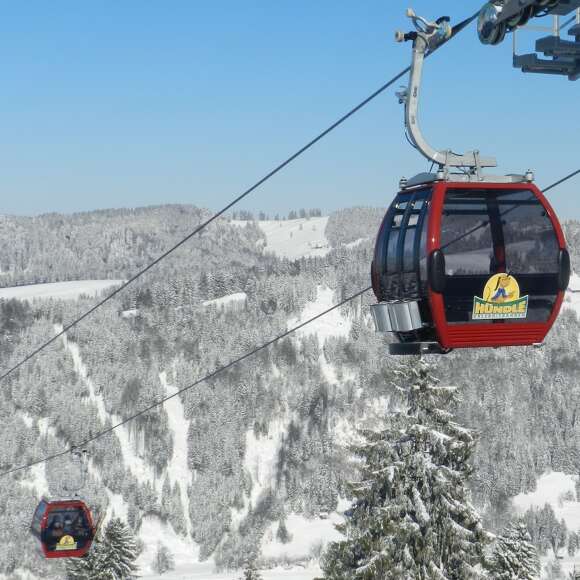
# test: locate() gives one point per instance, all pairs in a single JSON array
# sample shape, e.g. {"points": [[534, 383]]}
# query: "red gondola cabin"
{"points": [[64, 528], [468, 264]]}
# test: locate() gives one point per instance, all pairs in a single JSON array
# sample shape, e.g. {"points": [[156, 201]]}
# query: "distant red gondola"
{"points": [[64, 528]]}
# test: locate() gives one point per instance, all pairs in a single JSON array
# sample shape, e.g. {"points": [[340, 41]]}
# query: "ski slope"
{"points": [[178, 470], [331, 324], [62, 290], [236, 299], [552, 488], [293, 239], [187, 567]]}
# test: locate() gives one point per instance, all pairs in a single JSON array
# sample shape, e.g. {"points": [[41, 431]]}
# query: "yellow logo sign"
{"points": [[501, 300], [66, 543]]}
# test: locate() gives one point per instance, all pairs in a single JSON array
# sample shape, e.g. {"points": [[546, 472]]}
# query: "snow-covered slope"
{"points": [[307, 537], [553, 488], [294, 238], [187, 567], [62, 290], [238, 298], [332, 324], [178, 470]]}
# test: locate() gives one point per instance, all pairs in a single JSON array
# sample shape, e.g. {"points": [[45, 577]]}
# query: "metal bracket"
{"points": [[427, 37], [563, 55]]}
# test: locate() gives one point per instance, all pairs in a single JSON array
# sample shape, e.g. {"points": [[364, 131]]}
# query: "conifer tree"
{"points": [[282, 534], [250, 571], [164, 560], [572, 543], [412, 518], [514, 556], [112, 556]]}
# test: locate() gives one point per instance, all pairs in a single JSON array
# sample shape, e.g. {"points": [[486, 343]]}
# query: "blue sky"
{"points": [[125, 104]]}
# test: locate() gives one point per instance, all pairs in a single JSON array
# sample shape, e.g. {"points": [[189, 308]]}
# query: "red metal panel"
{"points": [[434, 243]]}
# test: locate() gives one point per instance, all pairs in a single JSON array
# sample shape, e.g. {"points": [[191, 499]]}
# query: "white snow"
{"points": [[131, 313], [572, 298], [345, 433], [26, 418], [204, 571], [186, 555], [260, 461], [178, 470], [307, 537], [551, 488], [184, 550], [62, 290], [37, 480], [227, 300], [294, 239], [45, 427], [19, 574], [117, 506], [357, 242], [331, 324]]}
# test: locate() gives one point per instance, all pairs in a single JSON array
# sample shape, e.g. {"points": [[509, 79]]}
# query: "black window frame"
{"points": [[393, 268]]}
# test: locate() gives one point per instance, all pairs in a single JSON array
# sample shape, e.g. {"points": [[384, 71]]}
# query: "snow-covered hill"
{"points": [[292, 239]]}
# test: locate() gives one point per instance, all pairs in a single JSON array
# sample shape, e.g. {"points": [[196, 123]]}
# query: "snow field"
{"points": [[260, 462], [178, 470], [19, 574], [292, 239], [37, 480], [572, 298], [331, 324], [187, 567], [307, 537], [551, 488], [228, 300], [185, 552], [63, 290]]}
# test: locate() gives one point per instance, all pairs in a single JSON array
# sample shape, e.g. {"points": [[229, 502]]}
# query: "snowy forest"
{"points": [[238, 468]]}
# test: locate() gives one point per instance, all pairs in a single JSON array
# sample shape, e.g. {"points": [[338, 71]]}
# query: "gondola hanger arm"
{"points": [[426, 38]]}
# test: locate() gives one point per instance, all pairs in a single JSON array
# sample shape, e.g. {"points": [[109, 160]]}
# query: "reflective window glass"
{"points": [[408, 250]]}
